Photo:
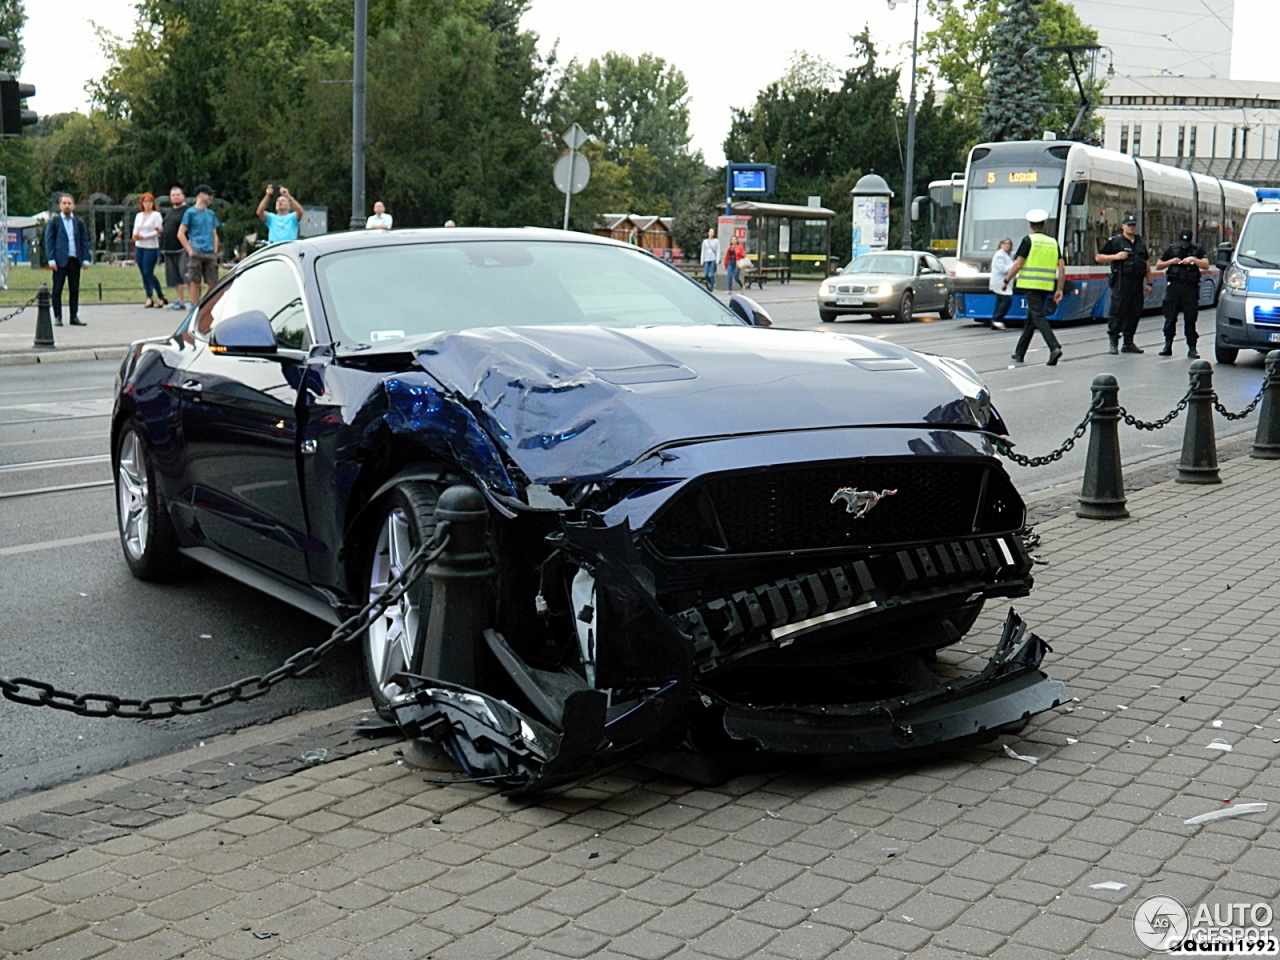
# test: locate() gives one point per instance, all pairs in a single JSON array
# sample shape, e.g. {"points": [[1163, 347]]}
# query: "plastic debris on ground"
{"points": [[1217, 724], [1219, 744], [1239, 810], [772, 815], [315, 756], [1018, 756], [1072, 740], [1111, 885]]}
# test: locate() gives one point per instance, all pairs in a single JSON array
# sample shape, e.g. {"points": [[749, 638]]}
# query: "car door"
{"points": [[935, 278], [239, 426]]}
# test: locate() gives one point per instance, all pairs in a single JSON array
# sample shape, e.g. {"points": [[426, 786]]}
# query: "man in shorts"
{"points": [[198, 235], [175, 258]]}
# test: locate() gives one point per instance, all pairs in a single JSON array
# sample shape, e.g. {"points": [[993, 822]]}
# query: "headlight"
{"points": [[965, 269], [827, 287], [1237, 278], [883, 290]]}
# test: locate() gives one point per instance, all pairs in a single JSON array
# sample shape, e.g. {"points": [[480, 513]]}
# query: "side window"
{"points": [[934, 264], [272, 288]]}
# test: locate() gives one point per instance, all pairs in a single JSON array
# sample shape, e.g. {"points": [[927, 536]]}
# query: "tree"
{"points": [[1015, 90], [16, 155]]}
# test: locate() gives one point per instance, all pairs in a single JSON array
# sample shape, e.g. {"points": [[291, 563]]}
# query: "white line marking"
{"points": [[61, 489], [54, 544], [49, 464], [1030, 386]]}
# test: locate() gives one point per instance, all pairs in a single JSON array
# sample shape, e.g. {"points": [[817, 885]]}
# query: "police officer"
{"points": [[1040, 272], [1182, 263], [1130, 281]]}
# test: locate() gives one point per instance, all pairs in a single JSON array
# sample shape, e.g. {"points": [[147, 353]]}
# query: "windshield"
{"points": [[1260, 241], [993, 213], [382, 293], [895, 265]]}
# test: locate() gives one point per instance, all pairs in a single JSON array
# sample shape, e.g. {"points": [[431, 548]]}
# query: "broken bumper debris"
{"points": [[582, 729]]}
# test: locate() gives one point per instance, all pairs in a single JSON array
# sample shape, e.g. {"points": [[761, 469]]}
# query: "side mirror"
{"points": [[247, 334], [749, 311], [1076, 193], [1223, 258]]}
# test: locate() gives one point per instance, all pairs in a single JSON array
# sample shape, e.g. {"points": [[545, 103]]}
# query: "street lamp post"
{"points": [[358, 70], [909, 193]]}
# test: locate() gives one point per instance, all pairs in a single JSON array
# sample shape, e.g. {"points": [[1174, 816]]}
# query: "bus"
{"points": [[942, 219], [1087, 192]]}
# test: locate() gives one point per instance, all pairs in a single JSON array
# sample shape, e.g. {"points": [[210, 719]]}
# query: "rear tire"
{"points": [[147, 536], [828, 316], [906, 308], [1225, 354], [395, 641], [948, 310]]}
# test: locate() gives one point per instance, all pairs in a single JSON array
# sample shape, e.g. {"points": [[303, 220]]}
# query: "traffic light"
{"points": [[12, 116]]}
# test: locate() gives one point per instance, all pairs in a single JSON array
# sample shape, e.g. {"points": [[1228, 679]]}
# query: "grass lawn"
{"points": [[101, 283]]}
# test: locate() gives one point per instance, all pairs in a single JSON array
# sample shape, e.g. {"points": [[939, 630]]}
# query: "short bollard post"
{"points": [[44, 322], [1266, 443], [1199, 462], [1102, 494], [459, 588]]}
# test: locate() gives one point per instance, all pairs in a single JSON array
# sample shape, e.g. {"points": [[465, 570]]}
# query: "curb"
{"points": [[63, 356]]}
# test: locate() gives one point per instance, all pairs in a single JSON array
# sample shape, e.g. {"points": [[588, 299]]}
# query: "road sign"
{"points": [[575, 137], [575, 165]]}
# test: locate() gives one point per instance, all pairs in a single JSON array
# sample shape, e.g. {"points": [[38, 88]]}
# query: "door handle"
{"points": [[193, 386]]}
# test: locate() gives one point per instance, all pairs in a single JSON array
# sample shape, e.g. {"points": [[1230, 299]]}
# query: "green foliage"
{"points": [[960, 53], [1015, 88], [822, 140]]}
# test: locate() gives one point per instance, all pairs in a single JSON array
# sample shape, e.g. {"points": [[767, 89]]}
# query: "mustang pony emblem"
{"points": [[860, 502]]}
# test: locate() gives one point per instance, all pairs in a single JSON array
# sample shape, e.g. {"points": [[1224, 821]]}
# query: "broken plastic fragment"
{"points": [[1239, 810], [1219, 744], [773, 815], [1019, 756], [1217, 724], [1111, 885], [1072, 740], [908, 919], [315, 756], [1121, 706]]}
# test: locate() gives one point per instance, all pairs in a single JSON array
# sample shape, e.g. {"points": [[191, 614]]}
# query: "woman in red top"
{"points": [[735, 253]]}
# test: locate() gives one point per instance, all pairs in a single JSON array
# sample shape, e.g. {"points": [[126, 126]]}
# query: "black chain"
{"points": [[249, 688], [1164, 421], [10, 316], [1005, 447], [1217, 404]]}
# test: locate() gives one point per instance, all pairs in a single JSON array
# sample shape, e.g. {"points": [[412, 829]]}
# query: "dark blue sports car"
{"points": [[702, 538]]}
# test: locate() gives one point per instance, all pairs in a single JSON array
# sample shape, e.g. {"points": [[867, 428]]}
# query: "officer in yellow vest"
{"points": [[1040, 271]]}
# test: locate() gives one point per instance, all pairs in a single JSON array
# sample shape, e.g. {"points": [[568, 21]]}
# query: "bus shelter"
{"points": [[787, 235]]}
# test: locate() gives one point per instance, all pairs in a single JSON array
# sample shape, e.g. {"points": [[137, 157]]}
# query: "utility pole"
{"points": [[357, 113], [908, 194]]}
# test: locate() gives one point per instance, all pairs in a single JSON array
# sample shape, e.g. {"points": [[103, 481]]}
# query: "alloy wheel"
{"points": [[393, 634], [132, 491]]}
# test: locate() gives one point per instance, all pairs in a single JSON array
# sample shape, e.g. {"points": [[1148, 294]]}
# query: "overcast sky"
{"points": [[726, 54]]}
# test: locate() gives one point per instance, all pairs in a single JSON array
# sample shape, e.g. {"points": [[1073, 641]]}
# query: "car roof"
{"points": [[361, 239]]}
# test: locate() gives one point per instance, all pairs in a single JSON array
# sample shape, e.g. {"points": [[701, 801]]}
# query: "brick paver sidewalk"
{"points": [[1160, 625]]}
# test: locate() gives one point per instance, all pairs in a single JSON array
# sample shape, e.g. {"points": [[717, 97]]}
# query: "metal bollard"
{"points": [[44, 320], [1266, 443], [1102, 493], [1199, 463], [460, 592]]}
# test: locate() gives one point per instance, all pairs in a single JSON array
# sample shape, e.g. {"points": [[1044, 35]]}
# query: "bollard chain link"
{"points": [[1005, 447], [241, 691], [1217, 404], [10, 316], [1164, 421]]}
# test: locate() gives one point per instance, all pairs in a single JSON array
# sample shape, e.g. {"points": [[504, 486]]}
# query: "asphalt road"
{"points": [[72, 615]]}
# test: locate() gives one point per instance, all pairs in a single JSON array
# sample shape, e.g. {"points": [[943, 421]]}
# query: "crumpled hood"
{"points": [[580, 403]]}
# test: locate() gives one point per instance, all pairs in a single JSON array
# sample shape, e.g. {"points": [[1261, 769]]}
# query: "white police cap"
{"points": [[1037, 216]]}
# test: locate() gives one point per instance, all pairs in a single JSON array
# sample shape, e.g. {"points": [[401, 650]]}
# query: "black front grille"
{"points": [[785, 509]]}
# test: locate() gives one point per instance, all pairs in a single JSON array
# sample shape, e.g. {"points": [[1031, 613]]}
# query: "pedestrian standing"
{"points": [[198, 235], [1130, 282], [1000, 264], [147, 227], [735, 253], [1182, 263], [283, 224], [66, 242], [381, 220], [710, 258], [175, 257], [1039, 270]]}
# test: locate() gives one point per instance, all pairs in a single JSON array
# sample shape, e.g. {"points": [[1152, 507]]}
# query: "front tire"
{"points": [[395, 641], [1225, 354], [906, 308], [828, 316], [147, 536]]}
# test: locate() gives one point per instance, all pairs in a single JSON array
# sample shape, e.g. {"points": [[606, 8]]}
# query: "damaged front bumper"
{"points": [[582, 730]]}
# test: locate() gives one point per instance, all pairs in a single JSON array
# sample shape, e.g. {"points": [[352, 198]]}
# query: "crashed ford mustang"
{"points": [[699, 538]]}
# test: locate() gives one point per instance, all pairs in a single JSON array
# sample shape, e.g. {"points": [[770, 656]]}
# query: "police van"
{"points": [[1249, 305]]}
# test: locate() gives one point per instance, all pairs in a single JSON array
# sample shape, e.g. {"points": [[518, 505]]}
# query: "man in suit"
{"points": [[66, 241]]}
